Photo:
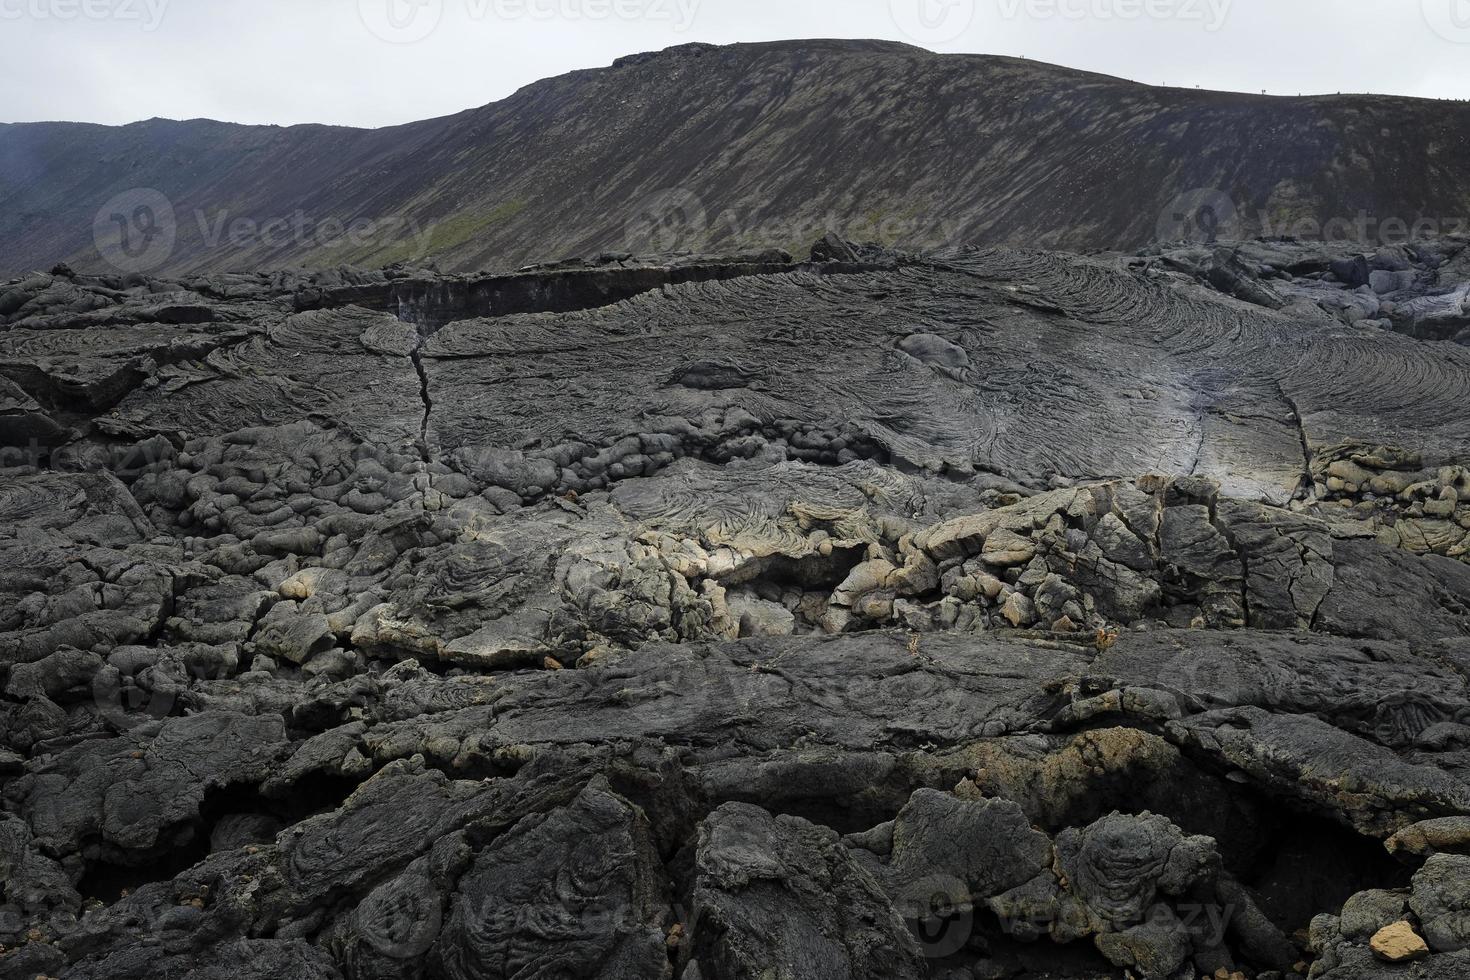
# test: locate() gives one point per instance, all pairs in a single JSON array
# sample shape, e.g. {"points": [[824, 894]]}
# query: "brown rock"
{"points": [[1451, 834], [989, 585], [1398, 943], [1018, 610], [1005, 548]]}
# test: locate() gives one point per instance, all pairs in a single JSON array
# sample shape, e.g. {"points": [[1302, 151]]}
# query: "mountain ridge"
{"points": [[750, 145]]}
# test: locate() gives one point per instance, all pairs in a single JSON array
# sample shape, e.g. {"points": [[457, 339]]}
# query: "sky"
{"points": [[382, 62]]}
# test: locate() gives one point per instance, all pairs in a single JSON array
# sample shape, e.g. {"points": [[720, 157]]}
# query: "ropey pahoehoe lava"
{"points": [[963, 612]]}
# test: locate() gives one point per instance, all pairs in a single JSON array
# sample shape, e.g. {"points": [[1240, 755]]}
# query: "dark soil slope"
{"points": [[701, 147]]}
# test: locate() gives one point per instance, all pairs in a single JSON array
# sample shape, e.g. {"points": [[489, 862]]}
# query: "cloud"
{"points": [[345, 62]]}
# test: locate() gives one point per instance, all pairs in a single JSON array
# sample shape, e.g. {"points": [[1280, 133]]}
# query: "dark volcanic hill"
{"points": [[701, 147]]}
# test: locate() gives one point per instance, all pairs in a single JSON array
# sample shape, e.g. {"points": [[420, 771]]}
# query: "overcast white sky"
{"points": [[380, 62]]}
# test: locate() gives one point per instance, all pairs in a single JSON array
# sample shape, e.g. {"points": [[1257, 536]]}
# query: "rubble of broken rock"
{"points": [[1419, 288], [988, 613]]}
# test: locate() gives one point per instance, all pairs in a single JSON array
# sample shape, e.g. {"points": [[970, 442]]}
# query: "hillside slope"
{"points": [[701, 147]]}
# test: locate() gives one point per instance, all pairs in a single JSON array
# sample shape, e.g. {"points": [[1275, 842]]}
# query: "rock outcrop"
{"points": [[981, 613]]}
